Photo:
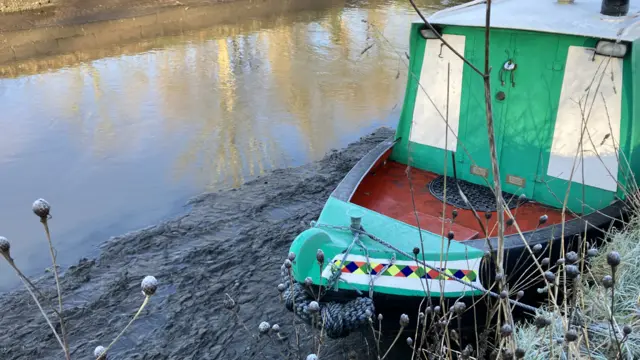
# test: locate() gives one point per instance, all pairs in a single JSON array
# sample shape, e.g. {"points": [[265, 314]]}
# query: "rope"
{"points": [[336, 319], [386, 244], [336, 273]]}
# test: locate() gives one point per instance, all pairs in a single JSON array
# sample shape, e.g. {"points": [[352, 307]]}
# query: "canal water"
{"points": [[118, 136]]}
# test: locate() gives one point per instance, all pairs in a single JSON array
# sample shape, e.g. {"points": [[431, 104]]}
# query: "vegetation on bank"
{"points": [[52, 310]]}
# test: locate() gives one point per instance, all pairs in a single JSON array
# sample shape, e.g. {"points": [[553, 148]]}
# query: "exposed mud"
{"points": [[30, 14], [229, 242]]}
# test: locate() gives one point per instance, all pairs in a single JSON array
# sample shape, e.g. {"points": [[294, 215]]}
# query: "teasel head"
{"points": [[41, 208]]}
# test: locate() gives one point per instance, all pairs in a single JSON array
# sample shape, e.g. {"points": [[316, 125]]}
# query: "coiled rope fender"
{"points": [[337, 319]]}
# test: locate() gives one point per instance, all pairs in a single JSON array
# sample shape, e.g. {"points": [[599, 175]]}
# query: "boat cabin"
{"points": [[554, 67]]}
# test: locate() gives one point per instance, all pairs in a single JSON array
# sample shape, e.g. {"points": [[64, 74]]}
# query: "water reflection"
{"points": [[117, 142]]}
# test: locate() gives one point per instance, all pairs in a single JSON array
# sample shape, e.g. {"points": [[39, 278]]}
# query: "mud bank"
{"points": [[32, 45], [229, 242]]}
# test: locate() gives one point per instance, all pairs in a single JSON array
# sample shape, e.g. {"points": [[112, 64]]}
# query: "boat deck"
{"points": [[386, 190]]}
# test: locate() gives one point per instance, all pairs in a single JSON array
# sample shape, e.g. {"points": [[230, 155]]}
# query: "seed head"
{"points": [[100, 353], [507, 354], [436, 310], [607, 281], [314, 306], [5, 246], [450, 235], [409, 341], [627, 330], [537, 248], [545, 262], [571, 257], [543, 219], [416, 251], [380, 317], [592, 252], [613, 259], [560, 261], [487, 215], [275, 328], [149, 285], [320, 257], [510, 221], [572, 271], [404, 320], [264, 327], [506, 330], [459, 307], [520, 353], [41, 208], [571, 335], [312, 357], [281, 287], [542, 321], [287, 263], [454, 213], [520, 294], [308, 281], [499, 277], [504, 294], [292, 256], [551, 277]]}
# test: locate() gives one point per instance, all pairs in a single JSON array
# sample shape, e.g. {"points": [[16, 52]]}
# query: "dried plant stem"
{"points": [[613, 302], [492, 142], [144, 303], [393, 343], [45, 223], [28, 285]]}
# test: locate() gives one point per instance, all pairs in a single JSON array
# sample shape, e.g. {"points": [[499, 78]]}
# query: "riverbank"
{"points": [[30, 14], [32, 41], [230, 242]]}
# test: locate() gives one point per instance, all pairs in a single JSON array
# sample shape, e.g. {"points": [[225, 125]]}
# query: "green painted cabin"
{"points": [[538, 122]]}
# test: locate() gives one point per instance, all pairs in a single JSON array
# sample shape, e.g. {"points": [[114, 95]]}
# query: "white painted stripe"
{"points": [[580, 88], [410, 283], [428, 127]]}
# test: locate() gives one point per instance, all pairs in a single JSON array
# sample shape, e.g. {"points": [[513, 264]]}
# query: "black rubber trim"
{"points": [[347, 187], [596, 220]]}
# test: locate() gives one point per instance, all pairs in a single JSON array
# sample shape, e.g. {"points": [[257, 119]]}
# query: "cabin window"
{"points": [[429, 126], [591, 94]]}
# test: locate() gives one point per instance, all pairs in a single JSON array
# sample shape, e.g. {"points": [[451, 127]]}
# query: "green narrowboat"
{"points": [[401, 224]]}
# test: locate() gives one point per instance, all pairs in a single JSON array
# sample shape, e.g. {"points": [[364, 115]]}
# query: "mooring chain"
{"points": [[384, 243]]}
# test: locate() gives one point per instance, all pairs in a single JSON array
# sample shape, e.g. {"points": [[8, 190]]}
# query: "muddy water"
{"points": [[120, 134]]}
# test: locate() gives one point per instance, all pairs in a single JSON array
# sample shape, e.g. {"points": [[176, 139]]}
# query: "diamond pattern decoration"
{"points": [[406, 271]]}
